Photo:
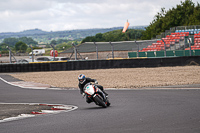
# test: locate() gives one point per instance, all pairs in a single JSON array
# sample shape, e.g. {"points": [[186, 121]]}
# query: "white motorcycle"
{"points": [[96, 95]]}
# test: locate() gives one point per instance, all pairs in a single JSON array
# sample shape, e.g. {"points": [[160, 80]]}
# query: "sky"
{"points": [[60, 15]]}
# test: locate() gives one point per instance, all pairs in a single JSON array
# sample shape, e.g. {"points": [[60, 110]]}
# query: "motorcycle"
{"points": [[96, 95]]}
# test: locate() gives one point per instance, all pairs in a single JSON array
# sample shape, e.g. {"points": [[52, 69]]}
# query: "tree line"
{"points": [[12, 41], [116, 35], [17, 44], [20, 45], [184, 14]]}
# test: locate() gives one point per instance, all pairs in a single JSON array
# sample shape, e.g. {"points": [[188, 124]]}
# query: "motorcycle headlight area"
{"points": [[89, 90]]}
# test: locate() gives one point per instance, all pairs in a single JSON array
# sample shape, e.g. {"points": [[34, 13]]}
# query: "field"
{"points": [[119, 78]]}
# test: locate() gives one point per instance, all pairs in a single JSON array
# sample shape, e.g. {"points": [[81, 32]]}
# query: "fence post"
{"points": [[112, 49], [190, 46], [184, 43], [165, 47], [75, 50], [137, 49], [96, 49], [32, 53], [53, 52], [10, 54]]}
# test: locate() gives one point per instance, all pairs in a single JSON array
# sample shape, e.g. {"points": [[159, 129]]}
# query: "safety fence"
{"points": [[169, 53], [104, 50], [100, 64]]}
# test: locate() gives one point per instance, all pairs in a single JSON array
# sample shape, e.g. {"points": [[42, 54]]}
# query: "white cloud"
{"points": [[19, 15]]}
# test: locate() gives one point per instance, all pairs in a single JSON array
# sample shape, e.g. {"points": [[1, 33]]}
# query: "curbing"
{"points": [[54, 110]]}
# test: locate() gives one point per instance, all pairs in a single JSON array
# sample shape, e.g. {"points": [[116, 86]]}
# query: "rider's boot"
{"points": [[88, 100]]}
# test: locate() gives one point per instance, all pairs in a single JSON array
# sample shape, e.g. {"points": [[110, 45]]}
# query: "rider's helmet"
{"points": [[81, 78]]}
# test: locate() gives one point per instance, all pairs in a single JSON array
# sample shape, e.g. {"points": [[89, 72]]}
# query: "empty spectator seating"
{"points": [[191, 31], [169, 40]]}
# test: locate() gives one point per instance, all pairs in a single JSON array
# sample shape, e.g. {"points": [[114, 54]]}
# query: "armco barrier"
{"points": [[196, 52], [151, 54], [101, 64], [169, 53], [179, 53], [160, 54], [142, 54]]}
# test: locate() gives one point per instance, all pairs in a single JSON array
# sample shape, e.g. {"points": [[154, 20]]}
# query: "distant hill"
{"points": [[32, 32], [26, 32], [46, 37]]}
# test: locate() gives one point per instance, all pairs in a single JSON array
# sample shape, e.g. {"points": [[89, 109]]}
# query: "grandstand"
{"points": [[170, 41], [177, 40]]}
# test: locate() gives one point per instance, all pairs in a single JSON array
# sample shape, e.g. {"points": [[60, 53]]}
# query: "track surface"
{"points": [[157, 111]]}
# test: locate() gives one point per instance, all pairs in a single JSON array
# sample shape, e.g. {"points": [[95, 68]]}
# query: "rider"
{"points": [[83, 81]]}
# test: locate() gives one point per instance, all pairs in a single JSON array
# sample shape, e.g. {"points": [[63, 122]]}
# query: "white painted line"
{"points": [[22, 116], [49, 111], [26, 87], [7, 82], [63, 107]]}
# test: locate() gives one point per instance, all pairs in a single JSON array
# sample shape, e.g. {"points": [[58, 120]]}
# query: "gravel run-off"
{"points": [[118, 78]]}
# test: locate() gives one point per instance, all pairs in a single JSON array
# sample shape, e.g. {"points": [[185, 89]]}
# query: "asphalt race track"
{"points": [[134, 111]]}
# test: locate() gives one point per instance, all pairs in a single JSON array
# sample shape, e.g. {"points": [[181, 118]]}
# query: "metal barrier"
{"points": [[170, 53], [101, 64]]}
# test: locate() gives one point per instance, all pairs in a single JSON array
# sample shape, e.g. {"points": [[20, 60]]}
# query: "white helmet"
{"points": [[81, 78]]}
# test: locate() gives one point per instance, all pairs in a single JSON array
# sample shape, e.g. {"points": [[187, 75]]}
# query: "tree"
{"points": [[115, 35], [53, 42], [21, 47], [10, 41], [64, 46], [3, 48], [28, 41], [13, 41], [99, 37]]}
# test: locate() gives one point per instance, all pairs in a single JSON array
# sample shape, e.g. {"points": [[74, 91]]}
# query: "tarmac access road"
{"points": [[138, 111]]}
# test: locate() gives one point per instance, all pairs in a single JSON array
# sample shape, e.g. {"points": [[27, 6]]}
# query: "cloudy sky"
{"points": [[59, 15]]}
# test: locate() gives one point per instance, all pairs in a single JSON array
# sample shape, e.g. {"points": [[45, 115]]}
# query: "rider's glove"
{"points": [[96, 82]]}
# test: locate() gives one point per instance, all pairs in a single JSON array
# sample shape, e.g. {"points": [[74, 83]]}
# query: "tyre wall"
{"points": [[101, 64]]}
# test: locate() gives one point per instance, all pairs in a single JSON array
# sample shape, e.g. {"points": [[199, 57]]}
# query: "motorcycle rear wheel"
{"points": [[108, 103], [100, 101]]}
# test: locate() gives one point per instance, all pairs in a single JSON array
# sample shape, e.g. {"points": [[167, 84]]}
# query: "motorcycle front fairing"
{"points": [[92, 91]]}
